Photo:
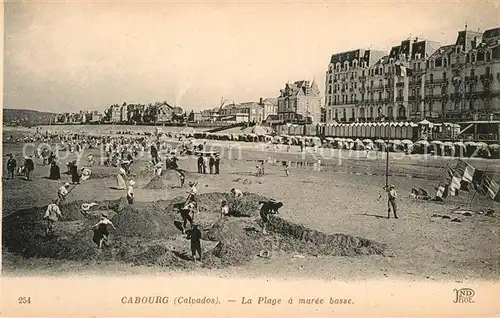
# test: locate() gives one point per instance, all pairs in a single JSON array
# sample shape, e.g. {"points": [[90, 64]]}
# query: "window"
{"points": [[344, 114], [380, 83], [472, 58], [362, 112], [412, 92], [401, 112], [432, 78], [443, 90], [336, 114], [445, 62], [371, 112], [458, 50], [472, 75], [487, 70], [444, 76]]}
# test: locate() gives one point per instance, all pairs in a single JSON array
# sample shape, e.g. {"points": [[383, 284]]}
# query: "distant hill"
{"points": [[25, 117]]}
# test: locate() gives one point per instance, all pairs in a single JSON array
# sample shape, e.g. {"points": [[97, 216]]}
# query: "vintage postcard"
{"points": [[250, 159]]}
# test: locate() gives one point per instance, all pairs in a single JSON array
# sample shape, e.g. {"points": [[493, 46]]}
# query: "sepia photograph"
{"points": [[311, 144]]}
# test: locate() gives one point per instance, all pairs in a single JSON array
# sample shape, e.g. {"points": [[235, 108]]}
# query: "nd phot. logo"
{"points": [[464, 296]]}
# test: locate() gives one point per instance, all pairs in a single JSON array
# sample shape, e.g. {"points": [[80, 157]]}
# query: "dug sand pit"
{"points": [[144, 220]]}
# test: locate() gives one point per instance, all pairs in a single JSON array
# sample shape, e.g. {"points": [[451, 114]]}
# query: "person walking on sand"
{"points": [[101, 231], [195, 237], [391, 202], [287, 169], [130, 192], [52, 215], [63, 192], [11, 167]]}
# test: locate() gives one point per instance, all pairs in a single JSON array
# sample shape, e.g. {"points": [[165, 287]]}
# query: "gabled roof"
{"points": [[272, 100]]}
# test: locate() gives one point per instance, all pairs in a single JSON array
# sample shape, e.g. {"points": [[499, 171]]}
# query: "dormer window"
{"points": [[346, 65], [355, 63], [473, 58], [458, 49], [445, 62], [391, 60]]}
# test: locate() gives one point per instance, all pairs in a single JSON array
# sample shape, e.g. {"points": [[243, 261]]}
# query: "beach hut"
{"points": [[494, 151]]}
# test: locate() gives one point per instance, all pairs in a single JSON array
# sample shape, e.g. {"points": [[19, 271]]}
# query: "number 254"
{"points": [[24, 300]]}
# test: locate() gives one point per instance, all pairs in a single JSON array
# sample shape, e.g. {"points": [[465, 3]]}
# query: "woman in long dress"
{"points": [[120, 179], [55, 172]]}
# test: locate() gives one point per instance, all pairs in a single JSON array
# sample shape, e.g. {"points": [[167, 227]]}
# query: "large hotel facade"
{"points": [[458, 82]]}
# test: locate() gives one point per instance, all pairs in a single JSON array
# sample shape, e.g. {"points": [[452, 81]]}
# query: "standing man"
{"points": [[29, 166], [217, 163], [200, 164], [287, 169], [392, 195], [52, 215], [205, 164], [11, 167], [195, 242], [211, 164]]}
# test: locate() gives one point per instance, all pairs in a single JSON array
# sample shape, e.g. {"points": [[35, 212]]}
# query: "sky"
{"points": [[71, 56]]}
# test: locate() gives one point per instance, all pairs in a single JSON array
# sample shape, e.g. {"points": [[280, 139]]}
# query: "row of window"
{"points": [[432, 63], [370, 113]]}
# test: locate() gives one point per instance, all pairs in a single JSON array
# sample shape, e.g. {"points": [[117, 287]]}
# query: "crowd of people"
{"points": [[121, 152]]}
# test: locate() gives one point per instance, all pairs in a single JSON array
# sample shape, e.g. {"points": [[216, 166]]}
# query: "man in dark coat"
{"points": [[29, 166], [217, 163], [268, 207], [195, 236], [200, 164], [11, 167], [211, 163]]}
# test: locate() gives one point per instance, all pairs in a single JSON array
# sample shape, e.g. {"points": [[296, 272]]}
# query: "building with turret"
{"points": [[299, 102]]}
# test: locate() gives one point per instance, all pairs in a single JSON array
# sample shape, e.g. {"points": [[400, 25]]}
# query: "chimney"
{"points": [[260, 103]]}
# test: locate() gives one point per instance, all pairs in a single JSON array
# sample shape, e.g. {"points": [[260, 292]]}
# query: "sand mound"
{"points": [[157, 183], [300, 238], [147, 234], [248, 205], [144, 220], [234, 247]]}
